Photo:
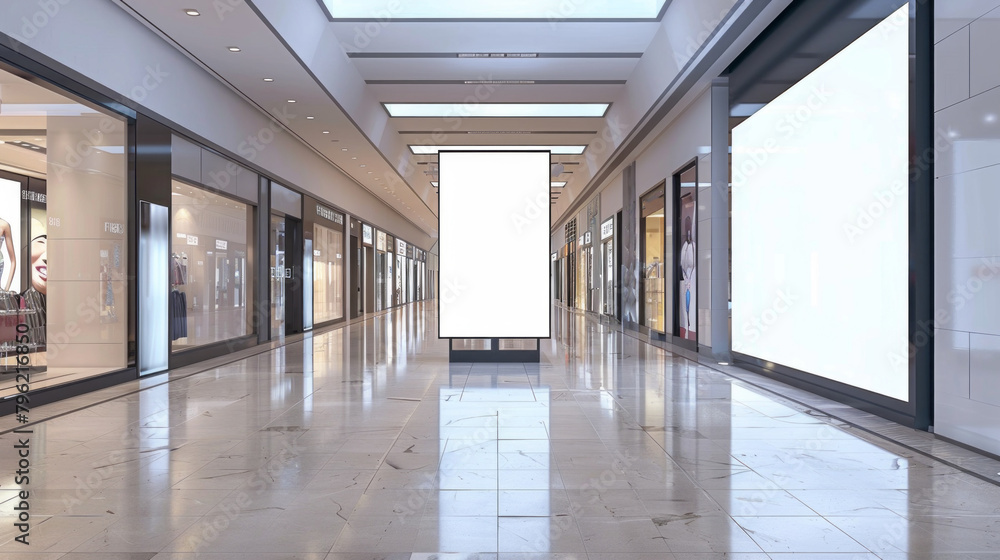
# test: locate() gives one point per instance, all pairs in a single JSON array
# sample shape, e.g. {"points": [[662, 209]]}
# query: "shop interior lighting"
{"points": [[511, 110], [192, 13], [234, 49], [558, 184]]}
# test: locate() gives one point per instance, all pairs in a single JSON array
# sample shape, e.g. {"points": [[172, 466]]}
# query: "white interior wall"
{"points": [[967, 233]]}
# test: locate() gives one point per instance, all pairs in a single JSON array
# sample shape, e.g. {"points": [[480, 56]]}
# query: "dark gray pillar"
{"points": [[721, 332]]}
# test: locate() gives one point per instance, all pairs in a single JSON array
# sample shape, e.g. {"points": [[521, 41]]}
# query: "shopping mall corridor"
{"points": [[363, 442]]}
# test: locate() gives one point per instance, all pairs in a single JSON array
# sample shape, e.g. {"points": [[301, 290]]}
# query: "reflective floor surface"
{"points": [[364, 443]]}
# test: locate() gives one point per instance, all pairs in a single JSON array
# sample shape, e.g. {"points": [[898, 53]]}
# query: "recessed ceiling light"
{"points": [[370, 172], [518, 110], [234, 49], [557, 150], [268, 80], [558, 184], [363, 165], [355, 157], [326, 132], [291, 101], [376, 178], [310, 118], [343, 149], [192, 12], [434, 184]]}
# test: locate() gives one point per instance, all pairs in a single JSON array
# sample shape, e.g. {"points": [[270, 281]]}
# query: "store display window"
{"points": [[63, 236], [211, 276], [686, 226], [652, 251], [328, 273]]}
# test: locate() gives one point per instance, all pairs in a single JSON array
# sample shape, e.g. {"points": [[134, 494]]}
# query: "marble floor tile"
{"points": [[321, 451]]}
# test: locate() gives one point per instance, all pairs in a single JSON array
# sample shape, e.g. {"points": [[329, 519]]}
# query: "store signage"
{"points": [[381, 241], [32, 196], [114, 227], [366, 234], [324, 212], [339, 256], [317, 253], [182, 236], [281, 272], [401, 247], [586, 238], [192, 240], [221, 245], [555, 257], [607, 229]]}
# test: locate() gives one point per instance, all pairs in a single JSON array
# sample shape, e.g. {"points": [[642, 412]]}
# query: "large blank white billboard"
{"points": [[820, 219], [494, 244]]}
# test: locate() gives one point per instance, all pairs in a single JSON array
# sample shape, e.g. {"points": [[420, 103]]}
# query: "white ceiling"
{"points": [[408, 61]]}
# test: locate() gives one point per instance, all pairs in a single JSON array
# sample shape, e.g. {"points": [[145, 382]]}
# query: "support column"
{"points": [[721, 330]]}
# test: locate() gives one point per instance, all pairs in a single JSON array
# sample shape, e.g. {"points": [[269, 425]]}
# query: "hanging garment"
{"points": [[176, 272], [178, 315]]}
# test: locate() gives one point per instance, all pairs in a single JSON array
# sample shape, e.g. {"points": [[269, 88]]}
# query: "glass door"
{"points": [[400, 295], [609, 276], [279, 272]]}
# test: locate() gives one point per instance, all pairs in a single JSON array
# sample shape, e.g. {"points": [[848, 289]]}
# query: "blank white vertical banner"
{"points": [[494, 213]]}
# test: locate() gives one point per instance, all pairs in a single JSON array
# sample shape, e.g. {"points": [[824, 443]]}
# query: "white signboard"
{"points": [[503, 290]]}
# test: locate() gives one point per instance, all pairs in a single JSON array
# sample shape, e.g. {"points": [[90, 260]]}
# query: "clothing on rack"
{"points": [[35, 300], [178, 269], [178, 314]]}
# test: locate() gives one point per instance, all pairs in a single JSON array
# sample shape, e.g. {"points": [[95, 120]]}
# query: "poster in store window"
{"points": [[687, 289]]}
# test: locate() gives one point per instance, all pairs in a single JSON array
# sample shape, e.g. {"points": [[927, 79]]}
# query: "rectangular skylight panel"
{"points": [[495, 9], [476, 110], [556, 150]]}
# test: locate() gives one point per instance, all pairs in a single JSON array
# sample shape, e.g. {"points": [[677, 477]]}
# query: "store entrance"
{"points": [[280, 273], [285, 253], [608, 258], [357, 278]]}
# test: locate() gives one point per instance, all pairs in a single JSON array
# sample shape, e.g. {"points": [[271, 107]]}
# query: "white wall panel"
{"points": [[967, 231], [984, 44], [951, 63]]}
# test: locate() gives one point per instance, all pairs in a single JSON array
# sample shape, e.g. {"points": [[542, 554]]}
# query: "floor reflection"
{"points": [[364, 442]]}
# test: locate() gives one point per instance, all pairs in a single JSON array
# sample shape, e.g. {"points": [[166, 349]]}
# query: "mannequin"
{"points": [[8, 257]]}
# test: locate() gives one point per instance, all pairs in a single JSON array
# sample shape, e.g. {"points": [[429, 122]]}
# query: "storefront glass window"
{"points": [[63, 169], [653, 270], [328, 273], [211, 277], [686, 208]]}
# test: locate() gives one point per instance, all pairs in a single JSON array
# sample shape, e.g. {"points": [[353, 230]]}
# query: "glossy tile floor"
{"points": [[364, 443]]}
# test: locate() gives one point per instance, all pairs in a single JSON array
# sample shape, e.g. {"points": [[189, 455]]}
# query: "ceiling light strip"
{"points": [[487, 110], [556, 150]]}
